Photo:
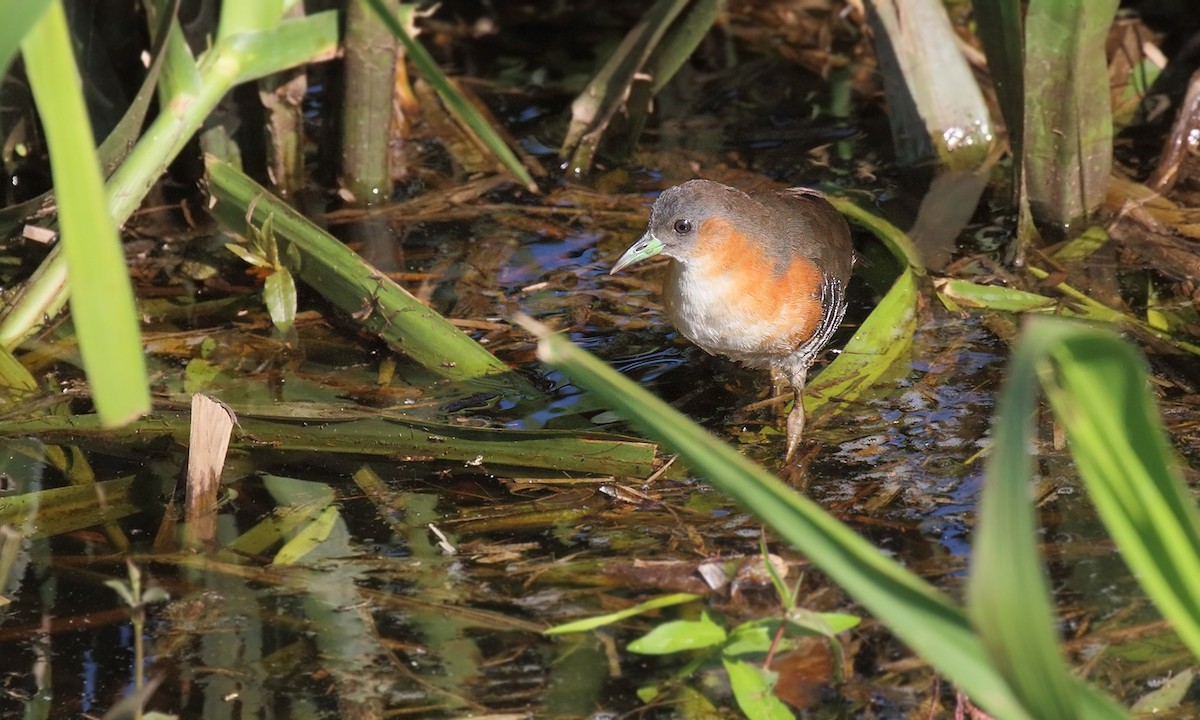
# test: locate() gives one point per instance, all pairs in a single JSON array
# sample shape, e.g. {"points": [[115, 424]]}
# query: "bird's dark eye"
{"points": [[683, 226]]}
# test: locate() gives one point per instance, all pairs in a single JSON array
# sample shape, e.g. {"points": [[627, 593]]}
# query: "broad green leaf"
{"points": [[279, 293], [679, 636], [1168, 697], [750, 638], [840, 622], [601, 620], [824, 624], [101, 297], [752, 687], [965, 293]]}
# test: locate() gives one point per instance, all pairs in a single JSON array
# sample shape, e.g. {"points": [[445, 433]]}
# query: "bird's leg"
{"points": [[779, 385], [795, 420]]}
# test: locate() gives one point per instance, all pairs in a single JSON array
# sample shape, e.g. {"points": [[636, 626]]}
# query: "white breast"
{"points": [[709, 319]]}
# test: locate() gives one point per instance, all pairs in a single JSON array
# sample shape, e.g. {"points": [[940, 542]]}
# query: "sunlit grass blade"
{"points": [[1008, 593], [891, 236], [591, 623], [1095, 310], [292, 42], [241, 17], [116, 146], [309, 538], [605, 93], [631, 96], [918, 613], [19, 16], [1099, 389], [884, 338], [455, 102], [101, 297], [886, 335], [967, 294]]}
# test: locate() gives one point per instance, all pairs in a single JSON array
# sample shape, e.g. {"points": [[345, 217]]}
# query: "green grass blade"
{"points": [[914, 610], [591, 623], [891, 236], [242, 17], [967, 294], [101, 296], [1008, 593], [1099, 392], [884, 338], [14, 375], [199, 89], [681, 41], [19, 17], [291, 43], [292, 429]]}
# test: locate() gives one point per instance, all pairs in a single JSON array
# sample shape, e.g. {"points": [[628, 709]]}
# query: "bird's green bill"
{"points": [[648, 246]]}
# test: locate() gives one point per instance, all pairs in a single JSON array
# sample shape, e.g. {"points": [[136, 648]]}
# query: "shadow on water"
{"points": [[423, 585]]}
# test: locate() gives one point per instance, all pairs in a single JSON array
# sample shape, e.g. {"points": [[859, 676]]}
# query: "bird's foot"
{"points": [[795, 428]]}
